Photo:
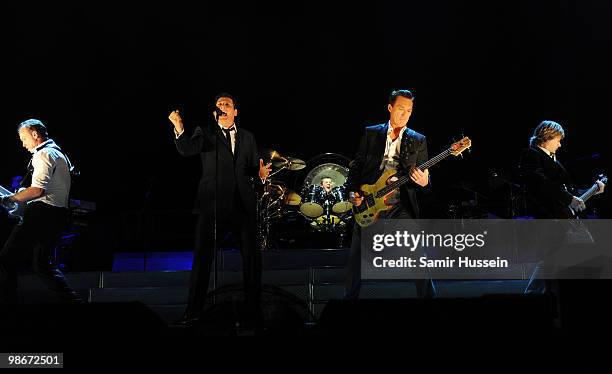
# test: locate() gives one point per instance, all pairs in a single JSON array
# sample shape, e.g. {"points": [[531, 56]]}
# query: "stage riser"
{"points": [[230, 259], [167, 291]]}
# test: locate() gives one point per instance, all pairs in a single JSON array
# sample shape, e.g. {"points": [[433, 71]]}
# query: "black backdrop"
{"points": [[309, 77]]}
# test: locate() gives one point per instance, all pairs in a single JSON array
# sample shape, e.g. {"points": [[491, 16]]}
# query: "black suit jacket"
{"points": [[365, 168], [545, 181], [237, 171]]}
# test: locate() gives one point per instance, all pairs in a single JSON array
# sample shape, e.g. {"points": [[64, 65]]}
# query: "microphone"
{"points": [[218, 112]]}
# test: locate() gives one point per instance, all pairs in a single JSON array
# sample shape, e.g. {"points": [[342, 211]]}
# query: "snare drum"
{"points": [[312, 201]]}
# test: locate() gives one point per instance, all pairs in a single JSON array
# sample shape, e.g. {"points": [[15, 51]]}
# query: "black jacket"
{"points": [[545, 181], [365, 168], [237, 171]]}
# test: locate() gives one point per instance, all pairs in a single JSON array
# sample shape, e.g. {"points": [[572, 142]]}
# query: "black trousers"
{"points": [[232, 217], [33, 241], [425, 287]]}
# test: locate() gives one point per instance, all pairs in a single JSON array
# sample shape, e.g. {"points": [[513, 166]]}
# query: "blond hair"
{"points": [[546, 131]]}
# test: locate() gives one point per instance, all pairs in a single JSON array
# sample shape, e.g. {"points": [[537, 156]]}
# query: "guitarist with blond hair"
{"points": [[383, 147], [546, 184], [546, 180]]}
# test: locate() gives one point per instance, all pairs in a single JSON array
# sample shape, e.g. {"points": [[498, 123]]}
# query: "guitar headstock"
{"points": [[458, 147], [603, 179]]}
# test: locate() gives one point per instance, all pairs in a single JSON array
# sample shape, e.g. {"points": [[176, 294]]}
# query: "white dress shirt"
{"points": [[51, 173], [232, 134], [392, 149]]}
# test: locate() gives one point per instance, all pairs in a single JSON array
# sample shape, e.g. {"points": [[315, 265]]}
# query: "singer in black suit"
{"points": [[388, 146], [229, 191]]}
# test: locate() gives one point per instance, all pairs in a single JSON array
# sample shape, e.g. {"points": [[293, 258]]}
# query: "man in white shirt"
{"points": [[44, 217]]}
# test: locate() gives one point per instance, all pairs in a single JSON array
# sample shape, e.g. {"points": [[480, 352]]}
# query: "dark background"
{"points": [[309, 77]]}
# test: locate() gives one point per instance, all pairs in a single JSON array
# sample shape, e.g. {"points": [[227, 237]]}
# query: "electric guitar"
{"points": [[375, 195], [15, 210], [594, 190]]}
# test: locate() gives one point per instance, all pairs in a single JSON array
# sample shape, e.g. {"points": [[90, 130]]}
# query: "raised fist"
{"points": [[176, 120]]}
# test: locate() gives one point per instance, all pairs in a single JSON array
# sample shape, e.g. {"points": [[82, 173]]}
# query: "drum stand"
{"points": [[264, 216], [262, 221], [263, 213]]}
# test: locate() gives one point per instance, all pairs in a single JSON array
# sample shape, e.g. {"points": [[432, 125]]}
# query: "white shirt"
{"points": [[552, 155], [392, 149], [232, 134], [51, 173]]}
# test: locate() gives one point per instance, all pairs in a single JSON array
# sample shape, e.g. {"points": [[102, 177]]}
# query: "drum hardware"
{"points": [[326, 211], [272, 203]]}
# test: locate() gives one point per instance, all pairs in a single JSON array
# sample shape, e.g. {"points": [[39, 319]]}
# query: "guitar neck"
{"points": [[406, 178], [4, 191], [590, 193]]}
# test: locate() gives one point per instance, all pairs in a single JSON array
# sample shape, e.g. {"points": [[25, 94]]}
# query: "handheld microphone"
{"points": [[219, 112]]}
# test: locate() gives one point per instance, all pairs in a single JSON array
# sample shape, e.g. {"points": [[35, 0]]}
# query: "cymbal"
{"points": [[276, 157], [295, 163], [290, 163], [269, 155]]}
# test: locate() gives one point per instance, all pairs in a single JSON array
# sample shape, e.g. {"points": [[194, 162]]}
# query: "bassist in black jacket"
{"points": [[383, 147]]}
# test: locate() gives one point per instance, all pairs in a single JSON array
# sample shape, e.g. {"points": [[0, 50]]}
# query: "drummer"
{"points": [[327, 184]]}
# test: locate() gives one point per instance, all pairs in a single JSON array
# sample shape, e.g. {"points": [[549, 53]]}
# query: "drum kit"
{"points": [[322, 203]]}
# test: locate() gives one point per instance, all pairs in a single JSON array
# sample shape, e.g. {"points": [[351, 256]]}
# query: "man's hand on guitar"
{"points": [[355, 198], [577, 204], [601, 187], [420, 177]]}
